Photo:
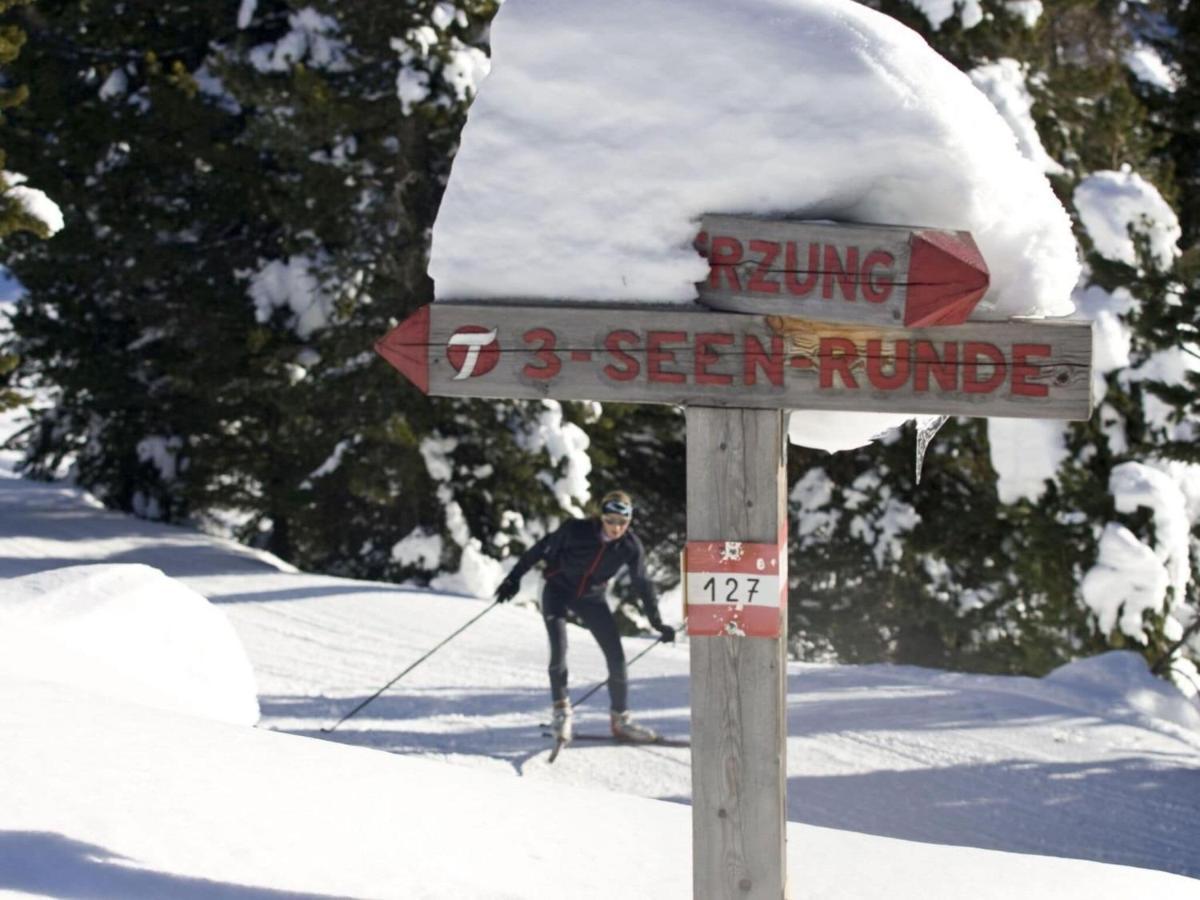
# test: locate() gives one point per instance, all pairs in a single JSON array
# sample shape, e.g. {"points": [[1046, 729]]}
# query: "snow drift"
{"points": [[130, 633]]}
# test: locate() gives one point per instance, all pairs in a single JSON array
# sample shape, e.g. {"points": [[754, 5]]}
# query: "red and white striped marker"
{"points": [[735, 588]]}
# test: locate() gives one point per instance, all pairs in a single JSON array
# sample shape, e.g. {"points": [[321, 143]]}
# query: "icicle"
{"points": [[927, 427]]}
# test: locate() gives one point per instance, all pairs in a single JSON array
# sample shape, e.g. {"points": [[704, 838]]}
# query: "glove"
{"points": [[666, 633], [508, 589]]}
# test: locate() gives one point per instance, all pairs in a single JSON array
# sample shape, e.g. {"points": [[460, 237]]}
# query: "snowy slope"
{"points": [[104, 799], [1095, 764]]}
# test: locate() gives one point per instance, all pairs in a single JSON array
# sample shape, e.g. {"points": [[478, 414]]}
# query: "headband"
{"points": [[617, 508]]}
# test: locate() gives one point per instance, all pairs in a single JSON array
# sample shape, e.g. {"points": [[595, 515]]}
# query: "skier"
{"points": [[581, 556]]}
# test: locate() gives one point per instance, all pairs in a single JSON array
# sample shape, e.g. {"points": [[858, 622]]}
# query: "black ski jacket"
{"points": [[579, 564]]}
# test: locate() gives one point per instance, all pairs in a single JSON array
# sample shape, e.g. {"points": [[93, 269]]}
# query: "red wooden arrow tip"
{"points": [[947, 278], [407, 348]]}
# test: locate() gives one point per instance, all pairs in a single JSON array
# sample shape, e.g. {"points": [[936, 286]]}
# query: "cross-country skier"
{"points": [[581, 556]]}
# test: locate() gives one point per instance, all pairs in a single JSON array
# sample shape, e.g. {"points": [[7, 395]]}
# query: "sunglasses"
{"points": [[614, 520]]}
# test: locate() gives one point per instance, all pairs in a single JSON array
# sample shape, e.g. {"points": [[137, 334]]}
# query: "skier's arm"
{"points": [[548, 546], [543, 549], [643, 585]]}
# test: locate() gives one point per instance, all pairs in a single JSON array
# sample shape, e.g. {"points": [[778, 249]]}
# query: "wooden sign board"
{"points": [[735, 588], [689, 355], [866, 274]]}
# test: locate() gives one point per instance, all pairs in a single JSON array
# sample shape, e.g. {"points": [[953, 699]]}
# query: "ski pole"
{"points": [[352, 712], [596, 687]]}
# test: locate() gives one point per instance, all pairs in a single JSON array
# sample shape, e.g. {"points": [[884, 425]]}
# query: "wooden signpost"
{"points": [[693, 356], [880, 274], [796, 315]]}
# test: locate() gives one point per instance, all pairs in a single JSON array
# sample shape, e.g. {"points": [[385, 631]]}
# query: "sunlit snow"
{"points": [[1078, 785]]}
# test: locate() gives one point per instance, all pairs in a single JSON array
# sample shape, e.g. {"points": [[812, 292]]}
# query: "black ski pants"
{"points": [[598, 619]]}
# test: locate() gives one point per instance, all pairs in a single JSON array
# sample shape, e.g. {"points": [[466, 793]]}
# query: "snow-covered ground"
{"points": [[903, 782]]}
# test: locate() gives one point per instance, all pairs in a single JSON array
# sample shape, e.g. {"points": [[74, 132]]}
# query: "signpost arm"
{"points": [[737, 492]]}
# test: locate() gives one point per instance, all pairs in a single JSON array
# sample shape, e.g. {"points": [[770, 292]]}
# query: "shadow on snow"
{"points": [[53, 865]]}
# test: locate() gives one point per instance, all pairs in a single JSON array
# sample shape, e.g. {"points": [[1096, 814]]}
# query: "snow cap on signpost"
{"points": [[804, 109]]}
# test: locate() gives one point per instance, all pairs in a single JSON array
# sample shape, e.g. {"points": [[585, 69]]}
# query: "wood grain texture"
{"points": [[839, 272], [795, 280], [689, 355], [736, 491]]}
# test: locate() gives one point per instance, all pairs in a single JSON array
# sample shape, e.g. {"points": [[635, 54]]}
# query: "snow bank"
{"points": [[127, 632], [1121, 681]]}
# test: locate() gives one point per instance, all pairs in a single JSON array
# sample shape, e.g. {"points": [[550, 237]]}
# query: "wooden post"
{"points": [[804, 316], [736, 491]]}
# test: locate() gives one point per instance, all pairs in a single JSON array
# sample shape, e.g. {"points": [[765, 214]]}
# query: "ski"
{"points": [[559, 743], [659, 741]]}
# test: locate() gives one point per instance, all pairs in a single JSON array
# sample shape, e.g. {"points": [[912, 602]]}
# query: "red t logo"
{"points": [[473, 351]]}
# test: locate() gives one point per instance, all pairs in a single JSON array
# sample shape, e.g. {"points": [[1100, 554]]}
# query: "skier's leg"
{"points": [[600, 622], [556, 629], [554, 614]]}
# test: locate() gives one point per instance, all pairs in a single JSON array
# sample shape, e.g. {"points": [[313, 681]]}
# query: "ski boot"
{"points": [[625, 729], [561, 721]]}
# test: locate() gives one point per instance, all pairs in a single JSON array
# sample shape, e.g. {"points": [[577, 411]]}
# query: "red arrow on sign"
{"points": [[690, 355], [407, 348], [946, 278], [861, 274]]}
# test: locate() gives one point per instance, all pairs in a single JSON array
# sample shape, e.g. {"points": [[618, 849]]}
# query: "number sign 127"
{"points": [[732, 589]]}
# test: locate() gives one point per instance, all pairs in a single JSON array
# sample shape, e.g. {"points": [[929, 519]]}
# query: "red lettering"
{"points": [[878, 290], [551, 364], [757, 357], [705, 356], [701, 243], [972, 353], [1022, 371], [846, 276], [629, 365], [725, 254], [900, 365], [759, 281], [792, 268], [656, 356], [837, 355], [944, 369]]}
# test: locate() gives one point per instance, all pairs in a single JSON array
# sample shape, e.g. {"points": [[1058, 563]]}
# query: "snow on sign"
{"points": [[734, 588], [691, 355], [874, 274]]}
